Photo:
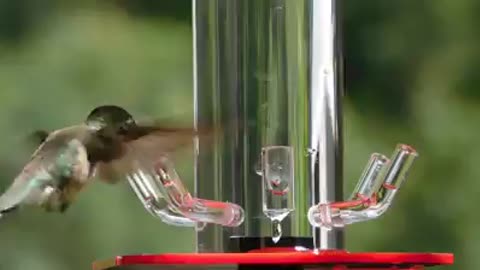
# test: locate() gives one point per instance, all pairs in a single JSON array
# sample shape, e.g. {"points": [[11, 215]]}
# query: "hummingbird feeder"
{"points": [[268, 193]]}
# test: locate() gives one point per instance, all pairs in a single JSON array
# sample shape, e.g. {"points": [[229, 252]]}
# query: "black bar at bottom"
{"points": [[245, 244]]}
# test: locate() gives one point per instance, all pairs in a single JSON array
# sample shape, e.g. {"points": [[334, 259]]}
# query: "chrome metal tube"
{"points": [[271, 69], [326, 137]]}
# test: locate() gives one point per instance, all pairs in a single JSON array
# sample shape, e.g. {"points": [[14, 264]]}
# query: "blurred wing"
{"points": [[143, 147]]}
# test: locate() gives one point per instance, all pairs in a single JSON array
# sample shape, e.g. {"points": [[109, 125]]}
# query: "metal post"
{"points": [[326, 116]]}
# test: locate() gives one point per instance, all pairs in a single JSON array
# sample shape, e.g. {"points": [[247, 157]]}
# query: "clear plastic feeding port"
{"points": [[373, 195], [277, 176], [163, 194]]}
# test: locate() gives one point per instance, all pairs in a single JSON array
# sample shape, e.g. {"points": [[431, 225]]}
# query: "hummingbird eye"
{"points": [[123, 128]]}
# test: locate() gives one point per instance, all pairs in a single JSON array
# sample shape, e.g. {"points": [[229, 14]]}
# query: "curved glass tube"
{"points": [[373, 194], [156, 205], [371, 177], [164, 196]]}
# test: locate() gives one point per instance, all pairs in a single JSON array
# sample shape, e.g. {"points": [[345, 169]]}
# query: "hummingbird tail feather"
{"points": [[17, 194], [8, 211]]}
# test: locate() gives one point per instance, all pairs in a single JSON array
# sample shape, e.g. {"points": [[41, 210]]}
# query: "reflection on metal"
{"points": [[268, 73], [326, 138]]}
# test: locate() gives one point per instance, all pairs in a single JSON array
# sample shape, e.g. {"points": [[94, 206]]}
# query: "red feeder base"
{"points": [[335, 260]]}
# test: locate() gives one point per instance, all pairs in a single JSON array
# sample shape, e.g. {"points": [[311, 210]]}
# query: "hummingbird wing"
{"points": [[143, 146]]}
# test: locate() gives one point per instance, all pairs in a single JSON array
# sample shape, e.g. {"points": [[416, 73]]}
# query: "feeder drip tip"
{"points": [[277, 171]]}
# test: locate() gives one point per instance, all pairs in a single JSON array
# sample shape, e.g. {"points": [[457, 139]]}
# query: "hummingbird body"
{"points": [[57, 171], [109, 146]]}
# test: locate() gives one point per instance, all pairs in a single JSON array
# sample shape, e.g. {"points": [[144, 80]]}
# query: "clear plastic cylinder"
{"points": [[267, 73]]}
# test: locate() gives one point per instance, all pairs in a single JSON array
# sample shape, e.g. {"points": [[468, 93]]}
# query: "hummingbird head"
{"points": [[111, 116]]}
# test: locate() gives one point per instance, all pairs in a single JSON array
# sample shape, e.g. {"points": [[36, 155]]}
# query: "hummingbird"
{"points": [[107, 146]]}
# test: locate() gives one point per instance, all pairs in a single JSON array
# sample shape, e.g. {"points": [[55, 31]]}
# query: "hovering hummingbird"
{"points": [[109, 145]]}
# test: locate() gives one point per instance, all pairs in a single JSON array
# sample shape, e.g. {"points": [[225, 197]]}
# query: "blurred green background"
{"points": [[411, 77]]}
